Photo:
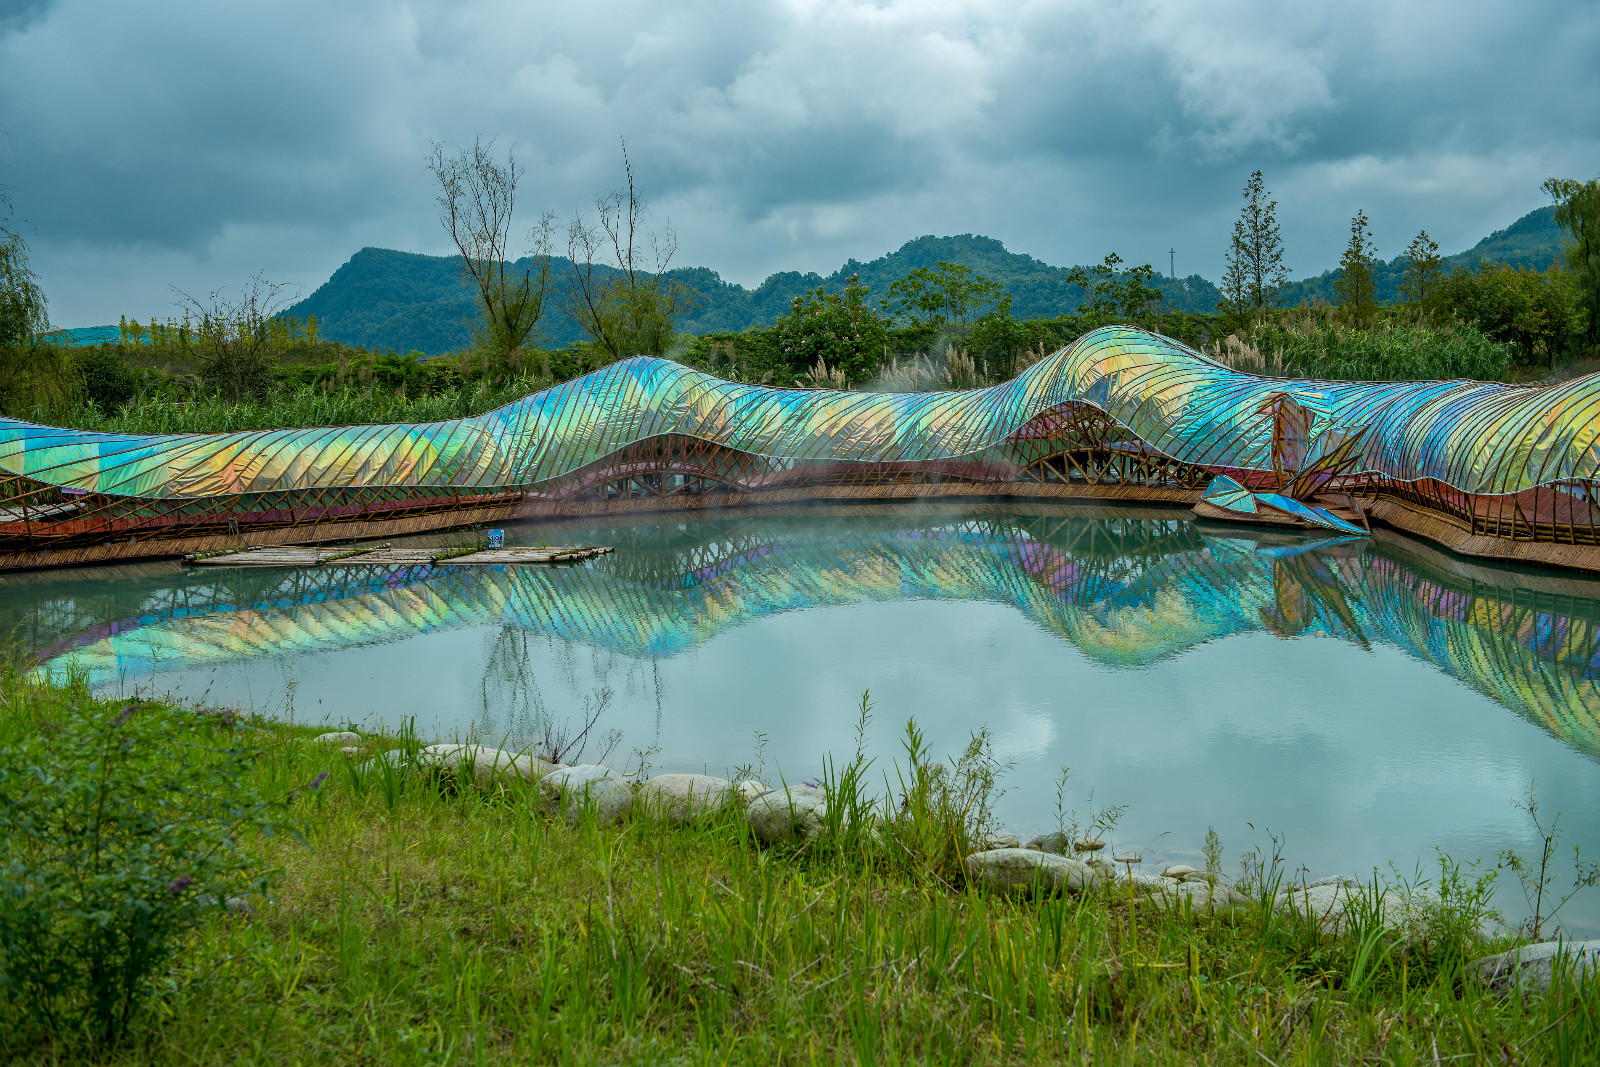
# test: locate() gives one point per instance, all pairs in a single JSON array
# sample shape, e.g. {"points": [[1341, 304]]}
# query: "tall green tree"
{"points": [[1356, 287], [1535, 312], [1255, 274], [950, 292], [1110, 291], [1578, 212], [1424, 273], [841, 330], [477, 199]]}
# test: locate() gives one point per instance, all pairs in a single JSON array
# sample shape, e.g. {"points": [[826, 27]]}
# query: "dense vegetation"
{"points": [[405, 919], [384, 298], [828, 340]]}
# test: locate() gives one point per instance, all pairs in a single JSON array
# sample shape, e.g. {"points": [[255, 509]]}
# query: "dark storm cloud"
{"points": [[192, 143]]}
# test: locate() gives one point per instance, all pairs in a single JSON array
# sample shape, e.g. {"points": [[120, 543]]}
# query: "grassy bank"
{"points": [[409, 922], [303, 406]]}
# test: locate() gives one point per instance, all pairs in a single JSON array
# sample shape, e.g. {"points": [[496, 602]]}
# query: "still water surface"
{"points": [[1367, 701]]}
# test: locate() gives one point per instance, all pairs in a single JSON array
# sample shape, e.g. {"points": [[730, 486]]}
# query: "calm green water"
{"points": [[1368, 701]]}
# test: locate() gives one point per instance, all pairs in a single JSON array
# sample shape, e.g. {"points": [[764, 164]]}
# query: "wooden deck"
{"points": [[378, 555]]}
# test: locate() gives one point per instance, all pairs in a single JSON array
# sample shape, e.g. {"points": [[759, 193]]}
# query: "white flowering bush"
{"points": [[839, 329]]}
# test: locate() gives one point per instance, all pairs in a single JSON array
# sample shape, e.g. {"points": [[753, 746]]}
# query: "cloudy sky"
{"points": [[191, 144]]}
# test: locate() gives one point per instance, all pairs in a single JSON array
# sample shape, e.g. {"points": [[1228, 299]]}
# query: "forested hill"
{"points": [[407, 302], [1534, 241], [382, 298]]}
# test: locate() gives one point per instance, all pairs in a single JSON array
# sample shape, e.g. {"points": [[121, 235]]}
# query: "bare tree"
{"points": [[477, 198], [618, 292], [234, 338]]}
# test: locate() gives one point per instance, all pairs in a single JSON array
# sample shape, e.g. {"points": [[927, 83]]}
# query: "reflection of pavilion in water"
{"points": [[1123, 590]]}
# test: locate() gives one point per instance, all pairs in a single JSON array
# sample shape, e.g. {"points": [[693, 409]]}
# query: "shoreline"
{"points": [[422, 912]]}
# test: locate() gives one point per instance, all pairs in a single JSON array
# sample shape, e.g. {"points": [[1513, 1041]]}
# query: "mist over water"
{"points": [[1368, 700]]}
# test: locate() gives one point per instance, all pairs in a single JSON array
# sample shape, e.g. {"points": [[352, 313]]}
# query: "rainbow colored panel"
{"points": [[1479, 438]]}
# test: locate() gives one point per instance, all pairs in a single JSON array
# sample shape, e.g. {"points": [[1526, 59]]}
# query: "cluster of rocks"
{"points": [[575, 791], [1047, 864], [1051, 863]]}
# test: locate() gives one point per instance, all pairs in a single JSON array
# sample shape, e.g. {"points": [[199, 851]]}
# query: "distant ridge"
{"points": [[1534, 240], [404, 301]]}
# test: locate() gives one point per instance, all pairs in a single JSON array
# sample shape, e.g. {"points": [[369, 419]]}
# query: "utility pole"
{"points": [[1172, 263]]}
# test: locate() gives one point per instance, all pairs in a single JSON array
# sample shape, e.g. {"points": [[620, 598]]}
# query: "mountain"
{"points": [[382, 298], [400, 300]]}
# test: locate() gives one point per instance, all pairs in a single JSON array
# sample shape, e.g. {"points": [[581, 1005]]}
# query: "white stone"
{"points": [[488, 765], [1055, 841], [394, 758], [1003, 841], [684, 797], [1534, 966], [337, 737], [1088, 844], [442, 757], [588, 787], [1019, 870], [491, 765], [1121, 879], [1200, 896], [749, 789], [1336, 906], [787, 815]]}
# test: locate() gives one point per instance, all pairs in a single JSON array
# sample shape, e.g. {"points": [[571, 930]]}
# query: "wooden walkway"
{"points": [[370, 555]]}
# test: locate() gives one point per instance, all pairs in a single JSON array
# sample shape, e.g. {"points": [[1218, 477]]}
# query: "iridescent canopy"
{"points": [[1479, 438]]}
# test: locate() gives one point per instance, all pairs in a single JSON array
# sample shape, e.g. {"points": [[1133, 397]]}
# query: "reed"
{"points": [[1307, 344], [303, 406]]}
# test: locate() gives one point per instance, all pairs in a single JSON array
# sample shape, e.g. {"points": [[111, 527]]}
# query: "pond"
{"points": [[1364, 702]]}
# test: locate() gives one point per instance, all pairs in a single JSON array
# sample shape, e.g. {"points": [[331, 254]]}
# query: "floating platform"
{"points": [[1347, 511], [379, 555]]}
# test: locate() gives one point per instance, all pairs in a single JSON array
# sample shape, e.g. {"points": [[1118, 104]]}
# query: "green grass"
{"points": [[296, 407], [418, 925], [1302, 344]]}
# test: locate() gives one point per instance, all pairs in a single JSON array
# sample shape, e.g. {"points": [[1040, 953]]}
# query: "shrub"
{"points": [[839, 329], [1538, 313], [105, 377], [119, 829]]}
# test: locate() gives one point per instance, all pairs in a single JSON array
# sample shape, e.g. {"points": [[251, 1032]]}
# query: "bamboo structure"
{"points": [[1485, 469]]}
